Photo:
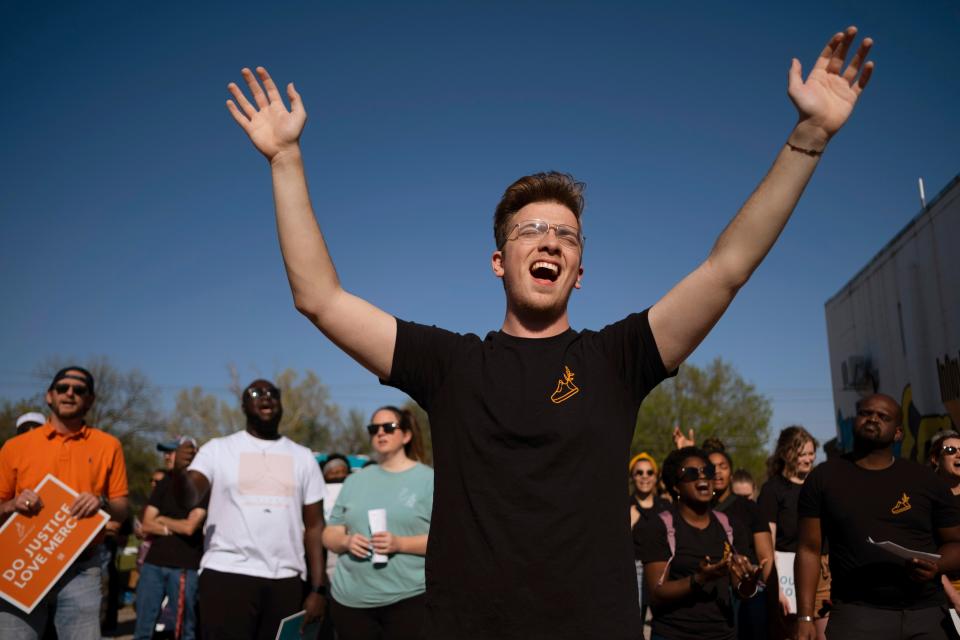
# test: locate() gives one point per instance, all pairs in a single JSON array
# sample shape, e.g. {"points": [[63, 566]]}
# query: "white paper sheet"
{"points": [[903, 552]]}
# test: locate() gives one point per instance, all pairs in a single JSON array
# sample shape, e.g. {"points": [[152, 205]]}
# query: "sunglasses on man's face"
{"points": [[388, 428], [948, 451], [263, 392], [692, 474], [643, 472], [78, 389]]}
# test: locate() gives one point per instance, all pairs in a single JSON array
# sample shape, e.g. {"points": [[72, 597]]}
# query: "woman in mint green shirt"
{"points": [[373, 600]]}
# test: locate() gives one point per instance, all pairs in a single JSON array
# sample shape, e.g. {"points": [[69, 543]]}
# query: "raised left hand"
{"points": [[680, 440], [826, 99]]}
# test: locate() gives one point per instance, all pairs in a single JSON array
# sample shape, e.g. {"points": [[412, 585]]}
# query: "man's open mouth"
{"points": [[543, 270]]}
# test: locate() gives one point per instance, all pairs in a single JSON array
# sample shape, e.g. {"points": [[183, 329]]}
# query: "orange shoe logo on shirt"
{"points": [[565, 387], [903, 504]]}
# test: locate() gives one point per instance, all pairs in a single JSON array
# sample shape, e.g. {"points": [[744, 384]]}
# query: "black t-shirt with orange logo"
{"points": [[904, 503], [529, 537]]}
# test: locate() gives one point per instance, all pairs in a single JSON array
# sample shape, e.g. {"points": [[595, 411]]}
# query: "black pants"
{"points": [[858, 622], [238, 607], [398, 621]]}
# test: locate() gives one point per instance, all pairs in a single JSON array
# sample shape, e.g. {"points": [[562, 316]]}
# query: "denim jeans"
{"points": [[155, 582], [74, 602]]}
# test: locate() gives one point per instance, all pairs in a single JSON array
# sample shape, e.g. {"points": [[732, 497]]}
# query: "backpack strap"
{"points": [[724, 521], [666, 516]]}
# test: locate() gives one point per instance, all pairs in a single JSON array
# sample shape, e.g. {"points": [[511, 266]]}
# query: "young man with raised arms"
{"points": [[522, 542]]}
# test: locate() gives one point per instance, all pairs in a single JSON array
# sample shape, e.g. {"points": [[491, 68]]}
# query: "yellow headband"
{"points": [[643, 456]]}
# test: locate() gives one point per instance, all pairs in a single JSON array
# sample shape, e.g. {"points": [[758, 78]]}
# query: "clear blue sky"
{"points": [[137, 218]]}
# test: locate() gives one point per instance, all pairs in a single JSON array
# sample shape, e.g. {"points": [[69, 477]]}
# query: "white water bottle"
{"points": [[378, 524]]}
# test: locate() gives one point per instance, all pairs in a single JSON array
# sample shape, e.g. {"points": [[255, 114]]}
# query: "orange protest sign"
{"points": [[36, 550]]}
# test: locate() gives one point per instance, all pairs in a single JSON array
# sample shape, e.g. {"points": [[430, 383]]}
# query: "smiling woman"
{"points": [[787, 469], [945, 458], [691, 555]]}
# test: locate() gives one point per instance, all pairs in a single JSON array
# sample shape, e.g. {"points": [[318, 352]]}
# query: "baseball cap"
{"points": [[172, 445], [73, 373], [31, 416]]}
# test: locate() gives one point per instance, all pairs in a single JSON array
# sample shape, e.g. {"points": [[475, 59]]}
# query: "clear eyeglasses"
{"points": [[533, 230]]}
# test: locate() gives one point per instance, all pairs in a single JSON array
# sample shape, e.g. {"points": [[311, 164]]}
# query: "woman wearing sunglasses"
{"points": [[644, 504], [690, 571], [752, 615], [374, 600], [945, 458], [644, 501]]}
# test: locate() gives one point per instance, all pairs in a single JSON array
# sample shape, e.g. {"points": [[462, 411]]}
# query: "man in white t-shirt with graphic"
{"points": [[264, 523]]}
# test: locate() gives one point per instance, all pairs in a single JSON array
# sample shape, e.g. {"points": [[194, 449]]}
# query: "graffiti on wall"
{"points": [[948, 374], [919, 428]]}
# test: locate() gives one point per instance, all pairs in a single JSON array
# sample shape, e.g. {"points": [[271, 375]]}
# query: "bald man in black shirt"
{"points": [[869, 493]]}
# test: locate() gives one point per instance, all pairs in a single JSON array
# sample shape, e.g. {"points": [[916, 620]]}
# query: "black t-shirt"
{"points": [[703, 615], [904, 503], [175, 550], [778, 504], [530, 437], [747, 513], [659, 504]]}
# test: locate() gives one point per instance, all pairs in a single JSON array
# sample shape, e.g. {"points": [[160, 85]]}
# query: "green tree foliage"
{"points": [[310, 417], [203, 415], [715, 401], [127, 407], [352, 436]]}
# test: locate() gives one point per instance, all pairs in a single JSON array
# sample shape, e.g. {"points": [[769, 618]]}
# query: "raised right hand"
{"points": [[272, 129]]}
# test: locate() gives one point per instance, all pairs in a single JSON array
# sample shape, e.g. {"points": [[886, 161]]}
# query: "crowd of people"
{"points": [[284, 533], [233, 533], [524, 533]]}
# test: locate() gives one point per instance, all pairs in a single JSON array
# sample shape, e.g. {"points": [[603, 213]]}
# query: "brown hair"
{"points": [[408, 424], [551, 186], [784, 459]]}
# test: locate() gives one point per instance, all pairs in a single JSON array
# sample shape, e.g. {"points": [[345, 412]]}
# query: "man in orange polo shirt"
{"points": [[91, 463]]}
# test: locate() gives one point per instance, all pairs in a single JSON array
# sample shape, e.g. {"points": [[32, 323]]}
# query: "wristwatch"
{"points": [[805, 618], [319, 589]]}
